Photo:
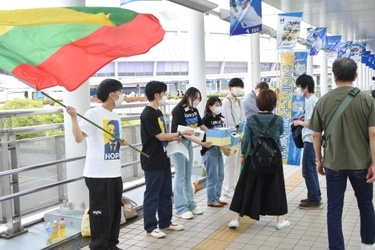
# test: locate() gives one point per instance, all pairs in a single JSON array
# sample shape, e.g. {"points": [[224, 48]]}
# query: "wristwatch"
{"points": [[179, 134], [317, 160]]}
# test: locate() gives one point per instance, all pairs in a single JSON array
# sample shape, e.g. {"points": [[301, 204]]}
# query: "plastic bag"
{"points": [[85, 225]]}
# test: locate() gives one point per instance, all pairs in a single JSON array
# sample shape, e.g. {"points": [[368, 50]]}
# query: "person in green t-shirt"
{"points": [[349, 153]]}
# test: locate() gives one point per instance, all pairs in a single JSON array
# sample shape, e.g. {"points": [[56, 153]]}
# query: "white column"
{"points": [[80, 99], [323, 74], [197, 64], [253, 63], [197, 55], [310, 66], [358, 81]]}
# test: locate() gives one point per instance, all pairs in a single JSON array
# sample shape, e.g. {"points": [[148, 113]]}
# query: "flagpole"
{"points": [[97, 125]]}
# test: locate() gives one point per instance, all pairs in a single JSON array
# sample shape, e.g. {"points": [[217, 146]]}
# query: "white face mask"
{"points": [[236, 91], [119, 101], [163, 100], [195, 103], [217, 110], [299, 91]]}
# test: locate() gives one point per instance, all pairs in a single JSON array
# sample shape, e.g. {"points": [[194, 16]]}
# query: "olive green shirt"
{"points": [[348, 147]]}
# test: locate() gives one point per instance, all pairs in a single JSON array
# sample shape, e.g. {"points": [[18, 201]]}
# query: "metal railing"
{"points": [[33, 172]]}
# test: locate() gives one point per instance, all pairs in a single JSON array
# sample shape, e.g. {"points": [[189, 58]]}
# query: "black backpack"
{"points": [[266, 156]]}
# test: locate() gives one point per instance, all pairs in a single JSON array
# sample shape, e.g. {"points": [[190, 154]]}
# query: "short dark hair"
{"points": [[306, 81], [262, 85], [266, 100], [344, 69], [154, 87], [373, 78], [107, 86], [236, 82], [210, 102]]}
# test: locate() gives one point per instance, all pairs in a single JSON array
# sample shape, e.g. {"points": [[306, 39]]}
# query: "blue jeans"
{"points": [[157, 197], [183, 191], [336, 185], [213, 161], [310, 173]]}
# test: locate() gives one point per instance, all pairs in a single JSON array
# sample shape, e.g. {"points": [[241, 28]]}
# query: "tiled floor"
{"points": [[209, 230]]}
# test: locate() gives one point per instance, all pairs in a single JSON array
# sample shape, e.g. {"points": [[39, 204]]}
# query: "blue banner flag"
{"points": [[332, 46], [288, 29], [365, 55], [316, 38], [245, 16], [345, 49]]}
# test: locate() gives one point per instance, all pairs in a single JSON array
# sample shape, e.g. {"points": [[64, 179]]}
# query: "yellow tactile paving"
{"points": [[224, 236]]}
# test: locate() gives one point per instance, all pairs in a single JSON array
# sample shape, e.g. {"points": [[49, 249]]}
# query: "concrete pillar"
{"points": [[80, 99], [323, 74], [358, 81], [197, 64], [197, 55], [310, 66], [253, 63]]}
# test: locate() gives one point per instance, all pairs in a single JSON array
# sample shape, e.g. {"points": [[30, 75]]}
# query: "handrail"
{"points": [[29, 191], [32, 167]]}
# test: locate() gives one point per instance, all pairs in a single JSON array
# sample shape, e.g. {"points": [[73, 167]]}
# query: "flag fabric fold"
{"points": [[65, 46]]}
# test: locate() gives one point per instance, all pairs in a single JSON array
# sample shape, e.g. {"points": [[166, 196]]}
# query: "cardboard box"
{"points": [[219, 137], [235, 139], [241, 128]]}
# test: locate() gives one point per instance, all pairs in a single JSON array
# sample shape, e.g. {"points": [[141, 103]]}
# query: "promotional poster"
{"points": [[245, 16], [288, 29], [315, 40]]}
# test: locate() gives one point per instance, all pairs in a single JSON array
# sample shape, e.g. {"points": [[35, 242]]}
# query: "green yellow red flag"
{"points": [[48, 47]]}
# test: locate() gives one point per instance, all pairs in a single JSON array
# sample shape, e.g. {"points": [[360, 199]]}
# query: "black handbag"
{"points": [[297, 135]]}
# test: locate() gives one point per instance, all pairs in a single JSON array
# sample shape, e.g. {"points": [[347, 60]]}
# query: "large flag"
{"points": [[245, 16], [288, 29], [345, 49], [65, 46], [356, 51], [332, 46], [315, 40], [293, 64]]}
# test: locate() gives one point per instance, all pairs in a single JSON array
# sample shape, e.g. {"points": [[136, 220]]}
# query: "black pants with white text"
{"points": [[105, 211]]}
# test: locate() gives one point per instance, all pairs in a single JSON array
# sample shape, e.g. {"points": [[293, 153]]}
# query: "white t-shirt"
{"points": [[248, 17], [103, 158], [310, 105]]}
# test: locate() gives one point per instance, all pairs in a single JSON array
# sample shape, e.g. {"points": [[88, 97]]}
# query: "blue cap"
{"points": [[242, 1], [316, 34]]}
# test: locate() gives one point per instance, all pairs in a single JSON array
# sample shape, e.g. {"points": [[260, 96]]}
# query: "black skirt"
{"points": [[257, 195]]}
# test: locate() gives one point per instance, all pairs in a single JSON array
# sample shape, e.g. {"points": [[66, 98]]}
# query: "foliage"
{"points": [[24, 121]]}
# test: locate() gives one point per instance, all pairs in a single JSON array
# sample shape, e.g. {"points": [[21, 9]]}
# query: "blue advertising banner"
{"points": [[316, 38], [245, 16], [300, 63], [365, 55], [345, 49], [288, 29], [332, 46], [356, 51], [291, 104]]}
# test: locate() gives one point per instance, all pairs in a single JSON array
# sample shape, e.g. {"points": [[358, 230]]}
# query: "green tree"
{"points": [[24, 121]]}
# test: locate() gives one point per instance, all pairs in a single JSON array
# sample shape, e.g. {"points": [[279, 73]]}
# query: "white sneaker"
{"points": [[367, 247], [234, 224], [175, 227], [282, 225], [228, 194], [197, 210], [187, 215], [157, 233]]}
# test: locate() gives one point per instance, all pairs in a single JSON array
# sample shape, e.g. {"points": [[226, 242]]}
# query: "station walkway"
{"points": [[308, 228]]}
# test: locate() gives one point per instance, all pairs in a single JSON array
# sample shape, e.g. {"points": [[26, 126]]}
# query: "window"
{"points": [[235, 67]]}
